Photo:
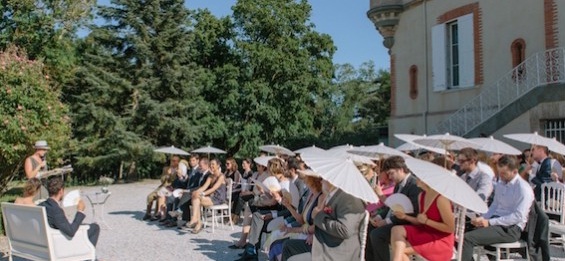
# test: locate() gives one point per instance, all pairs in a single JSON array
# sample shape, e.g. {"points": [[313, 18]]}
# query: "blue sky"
{"points": [[346, 22], [353, 33]]}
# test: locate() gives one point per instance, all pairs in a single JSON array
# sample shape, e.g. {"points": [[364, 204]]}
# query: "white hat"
{"points": [[41, 145]]}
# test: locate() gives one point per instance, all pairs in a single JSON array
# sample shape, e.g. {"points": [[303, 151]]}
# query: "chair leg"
{"points": [[230, 219], [213, 220]]}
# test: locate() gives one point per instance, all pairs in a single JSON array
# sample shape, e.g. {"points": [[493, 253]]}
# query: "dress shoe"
{"points": [[235, 246], [146, 217]]}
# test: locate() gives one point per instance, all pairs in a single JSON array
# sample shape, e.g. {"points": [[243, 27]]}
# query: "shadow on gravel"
{"points": [[135, 214], [215, 249]]}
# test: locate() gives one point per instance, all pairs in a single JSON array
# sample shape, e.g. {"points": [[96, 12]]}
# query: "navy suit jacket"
{"points": [[57, 219]]}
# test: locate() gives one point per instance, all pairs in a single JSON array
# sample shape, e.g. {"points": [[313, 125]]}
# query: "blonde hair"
{"points": [[276, 166]]}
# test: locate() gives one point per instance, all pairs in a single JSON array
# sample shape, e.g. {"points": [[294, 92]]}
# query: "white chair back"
{"points": [[459, 213], [31, 234], [363, 233], [553, 198], [229, 186]]}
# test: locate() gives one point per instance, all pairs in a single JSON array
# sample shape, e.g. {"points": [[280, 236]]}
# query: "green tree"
{"points": [[46, 30], [282, 70], [30, 110], [138, 86]]}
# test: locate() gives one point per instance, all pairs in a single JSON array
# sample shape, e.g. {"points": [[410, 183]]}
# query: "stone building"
{"points": [[474, 67]]}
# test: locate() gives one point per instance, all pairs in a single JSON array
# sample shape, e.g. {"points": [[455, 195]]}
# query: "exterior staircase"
{"points": [[540, 78]]}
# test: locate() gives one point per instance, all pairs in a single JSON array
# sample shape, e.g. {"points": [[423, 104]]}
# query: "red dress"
{"points": [[429, 242]]}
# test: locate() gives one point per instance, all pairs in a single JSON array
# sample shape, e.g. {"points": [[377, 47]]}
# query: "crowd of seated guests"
{"points": [[289, 214]]}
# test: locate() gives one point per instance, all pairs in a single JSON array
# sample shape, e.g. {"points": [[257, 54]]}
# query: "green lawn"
{"points": [[15, 190]]}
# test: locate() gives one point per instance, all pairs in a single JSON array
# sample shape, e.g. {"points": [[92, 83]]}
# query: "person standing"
{"points": [[35, 164]]}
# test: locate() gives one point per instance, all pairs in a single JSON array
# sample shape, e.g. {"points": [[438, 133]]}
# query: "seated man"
{"points": [[477, 179], [56, 216], [507, 215], [181, 206], [379, 238]]}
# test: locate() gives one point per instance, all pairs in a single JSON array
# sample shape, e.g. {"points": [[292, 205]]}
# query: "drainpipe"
{"points": [[426, 71]]}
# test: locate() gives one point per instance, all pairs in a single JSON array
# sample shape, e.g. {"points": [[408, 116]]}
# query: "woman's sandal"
{"points": [[197, 228]]}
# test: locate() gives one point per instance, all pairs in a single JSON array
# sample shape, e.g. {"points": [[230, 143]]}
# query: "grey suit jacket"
{"points": [[336, 236]]}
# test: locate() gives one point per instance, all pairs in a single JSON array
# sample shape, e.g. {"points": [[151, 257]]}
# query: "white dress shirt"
{"points": [[511, 204]]}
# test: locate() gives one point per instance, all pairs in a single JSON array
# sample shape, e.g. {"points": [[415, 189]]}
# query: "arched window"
{"points": [[413, 73], [518, 49]]}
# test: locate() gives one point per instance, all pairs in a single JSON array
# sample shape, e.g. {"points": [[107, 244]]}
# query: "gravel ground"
{"points": [[125, 236]]}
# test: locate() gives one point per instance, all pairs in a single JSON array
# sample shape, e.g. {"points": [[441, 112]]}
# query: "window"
{"points": [[453, 54], [413, 73], [518, 49], [555, 128]]}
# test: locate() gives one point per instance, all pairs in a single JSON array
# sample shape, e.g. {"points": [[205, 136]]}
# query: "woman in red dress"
{"points": [[430, 234]]}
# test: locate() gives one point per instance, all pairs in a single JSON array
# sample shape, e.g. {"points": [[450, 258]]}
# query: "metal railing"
{"points": [[540, 69]]}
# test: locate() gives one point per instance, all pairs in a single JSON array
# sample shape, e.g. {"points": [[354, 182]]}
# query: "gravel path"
{"points": [[127, 237], [130, 238]]}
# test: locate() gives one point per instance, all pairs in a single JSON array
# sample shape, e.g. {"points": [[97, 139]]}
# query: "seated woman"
{"points": [[31, 189], [158, 196], [213, 192], [246, 193], [430, 234], [262, 174], [381, 184], [275, 242]]}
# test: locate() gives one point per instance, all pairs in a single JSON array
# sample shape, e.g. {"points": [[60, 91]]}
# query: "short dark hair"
{"points": [[395, 162], [194, 156], [293, 164], [509, 161], [470, 154], [54, 185]]}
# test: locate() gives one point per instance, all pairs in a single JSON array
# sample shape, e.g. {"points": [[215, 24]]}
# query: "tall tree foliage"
{"points": [[138, 82], [30, 110], [46, 30], [284, 67]]}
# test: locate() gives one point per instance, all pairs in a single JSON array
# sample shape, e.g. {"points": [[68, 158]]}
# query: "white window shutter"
{"points": [[439, 56], [466, 51]]}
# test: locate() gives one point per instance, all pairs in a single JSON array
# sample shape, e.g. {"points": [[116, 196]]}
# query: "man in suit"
{"points": [[336, 235], [478, 180], [379, 238], [196, 180], [543, 170], [56, 216]]}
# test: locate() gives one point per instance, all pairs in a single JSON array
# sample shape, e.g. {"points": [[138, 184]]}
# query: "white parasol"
{"points": [[491, 144], [209, 149], [446, 141], [377, 151], [263, 160], [410, 145], [343, 174], [536, 139], [310, 149], [343, 152], [171, 150], [277, 150], [447, 184]]}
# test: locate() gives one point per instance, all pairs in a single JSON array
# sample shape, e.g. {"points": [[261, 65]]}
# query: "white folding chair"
{"points": [[552, 201], [221, 211], [363, 233]]}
